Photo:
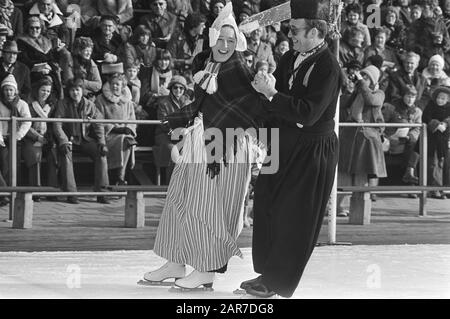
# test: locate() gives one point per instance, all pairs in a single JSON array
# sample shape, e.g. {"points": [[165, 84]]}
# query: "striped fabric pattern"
{"points": [[202, 217]]}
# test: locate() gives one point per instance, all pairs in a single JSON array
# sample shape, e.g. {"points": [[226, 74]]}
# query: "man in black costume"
{"points": [[289, 205]]}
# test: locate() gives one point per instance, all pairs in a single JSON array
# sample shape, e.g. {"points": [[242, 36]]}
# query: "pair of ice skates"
{"points": [[174, 275]]}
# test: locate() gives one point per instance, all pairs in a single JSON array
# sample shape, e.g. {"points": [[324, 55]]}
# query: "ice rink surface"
{"points": [[361, 272]]}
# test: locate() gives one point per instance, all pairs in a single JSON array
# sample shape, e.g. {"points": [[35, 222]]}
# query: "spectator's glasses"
{"points": [[33, 27], [158, 4], [178, 87], [249, 61]]}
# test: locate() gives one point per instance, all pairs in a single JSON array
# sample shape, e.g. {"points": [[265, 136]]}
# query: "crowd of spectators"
{"points": [[133, 59]]}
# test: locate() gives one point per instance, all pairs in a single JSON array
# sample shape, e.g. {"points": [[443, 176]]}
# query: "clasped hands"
{"points": [[264, 83]]}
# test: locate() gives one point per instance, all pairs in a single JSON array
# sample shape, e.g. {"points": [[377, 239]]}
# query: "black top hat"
{"points": [[310, 9]]}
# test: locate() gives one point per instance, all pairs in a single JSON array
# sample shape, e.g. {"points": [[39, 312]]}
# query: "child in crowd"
{"points": [[134, 84]]}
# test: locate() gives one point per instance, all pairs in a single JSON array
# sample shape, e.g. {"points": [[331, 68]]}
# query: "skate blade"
{"points": [[248, 296], [144, 282], [203, 288]]}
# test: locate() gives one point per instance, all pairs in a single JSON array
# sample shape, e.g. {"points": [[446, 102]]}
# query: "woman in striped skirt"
{"points": [[202, 217]]}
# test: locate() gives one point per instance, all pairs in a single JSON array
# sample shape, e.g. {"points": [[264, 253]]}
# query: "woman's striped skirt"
{"points": [[202, 217]]}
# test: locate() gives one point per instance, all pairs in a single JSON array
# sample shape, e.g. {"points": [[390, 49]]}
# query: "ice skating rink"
{"points": [[361, 272]]}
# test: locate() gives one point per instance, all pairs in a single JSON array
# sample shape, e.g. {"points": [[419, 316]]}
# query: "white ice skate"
{"points": [[168, 271], [195, 281]]}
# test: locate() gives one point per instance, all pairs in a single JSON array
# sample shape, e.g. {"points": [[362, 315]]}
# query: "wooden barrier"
{"points": [[135, 203], [361, 204]]}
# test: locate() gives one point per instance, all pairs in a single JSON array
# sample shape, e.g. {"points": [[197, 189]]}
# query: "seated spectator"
{"points": [[181, 8], [144, 48], [353, 18], [161, 22], [133, 82], [281, 47], [401, 142], [10, 105], [437, 117], [42, 57], [434, 76], [364, 156], [175, 101], [115, 103], [158, 78], [10, 65], [53, 21], [261, 50], [39, 139], [122, 9], [3, 34], [85, 68], [378, 47], [404, 12], [351, 46], [397, 36], [155, 83], [428, 36], [244, 13], [87, 138], [407, 74], [107, 41], [416, 13], [249, 58], [11, 18], [186, 44], [215, 6], [262, 66]]}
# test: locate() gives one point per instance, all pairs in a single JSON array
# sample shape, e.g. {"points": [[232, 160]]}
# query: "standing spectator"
{"points": [[437, 117], [115, 103], [185, 45], [85, 68], [88, 138], [107, 41], [10, 65], [261, 50], [161, 22], [10, 105], [175, 101], [404, 111], [365, 156], [353, 18], [39, 139], [122, 9]]}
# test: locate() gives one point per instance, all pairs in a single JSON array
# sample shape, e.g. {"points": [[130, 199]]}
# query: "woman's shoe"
{"points": [[437, 195], [169, 270], [195, 280], [73, 200], [103, 200], [343, 213], [36, 199]]}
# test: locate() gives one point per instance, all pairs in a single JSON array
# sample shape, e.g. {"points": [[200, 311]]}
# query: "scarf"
{"points": [[157, 76], [12, 106], [301, 57], [207, 78], [42, 112]]}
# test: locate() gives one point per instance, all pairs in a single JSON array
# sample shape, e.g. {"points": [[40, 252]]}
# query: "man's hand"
{"points": [[2, 143], [442, 127], [122, 130], [102, 150], [41, 139], [264, 83]]}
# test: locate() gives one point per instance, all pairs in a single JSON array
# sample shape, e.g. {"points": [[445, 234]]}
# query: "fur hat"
{"points": [[177, 79], [310, 9], [9, 80], [439, 89], [438, 59], [373, 72], [226, 17]]}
